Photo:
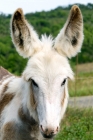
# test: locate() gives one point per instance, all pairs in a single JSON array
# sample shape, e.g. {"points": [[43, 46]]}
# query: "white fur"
{"points": [[49, 69], [10, 112], [63, 44], [32, 43], [5, 82]]}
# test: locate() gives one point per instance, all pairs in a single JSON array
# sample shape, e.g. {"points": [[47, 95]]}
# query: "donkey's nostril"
{"points": [[41, 127], [46, 130], [52, 132]]}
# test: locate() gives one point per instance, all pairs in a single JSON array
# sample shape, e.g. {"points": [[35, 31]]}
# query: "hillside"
{"points": [[45, 22]]}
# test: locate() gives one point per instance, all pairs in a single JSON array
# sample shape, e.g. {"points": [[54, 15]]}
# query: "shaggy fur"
{"points": [[32, 106], [4, 73]]}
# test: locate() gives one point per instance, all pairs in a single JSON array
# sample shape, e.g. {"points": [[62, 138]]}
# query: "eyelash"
{"points": [[63, 82], [34, 83]]}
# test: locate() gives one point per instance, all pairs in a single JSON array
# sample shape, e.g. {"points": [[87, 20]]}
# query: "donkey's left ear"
{"points": [[69, 40], [23, 36]]}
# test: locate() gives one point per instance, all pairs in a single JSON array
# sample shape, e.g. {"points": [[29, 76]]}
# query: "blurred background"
{"points": [[49, 16]]}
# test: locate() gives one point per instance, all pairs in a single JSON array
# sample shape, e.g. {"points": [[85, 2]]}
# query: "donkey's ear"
{"points": [[69, 40], [24, 37]]}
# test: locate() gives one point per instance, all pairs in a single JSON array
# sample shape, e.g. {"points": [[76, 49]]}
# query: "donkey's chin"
{"points": [[48, 136]]}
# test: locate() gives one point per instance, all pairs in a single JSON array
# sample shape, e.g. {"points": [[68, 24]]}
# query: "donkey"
{"points": [[32, 106]]}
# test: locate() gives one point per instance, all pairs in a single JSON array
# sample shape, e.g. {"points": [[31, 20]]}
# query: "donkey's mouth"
{"points": [[48, 136]]}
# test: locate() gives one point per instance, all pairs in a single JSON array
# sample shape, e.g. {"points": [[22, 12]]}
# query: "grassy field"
{"points": [[83, 83], [77, 125]]}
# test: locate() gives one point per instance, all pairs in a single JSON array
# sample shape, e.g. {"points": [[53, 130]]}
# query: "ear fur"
{"points": [[23, 36], [69, 40]]}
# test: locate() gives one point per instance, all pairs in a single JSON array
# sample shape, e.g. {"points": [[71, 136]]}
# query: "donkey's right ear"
{"points": [[70, 39], [23, 36]]}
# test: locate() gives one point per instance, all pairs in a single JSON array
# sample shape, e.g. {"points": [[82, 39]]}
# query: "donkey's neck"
{"points": [[29, 123], [27, 119]]}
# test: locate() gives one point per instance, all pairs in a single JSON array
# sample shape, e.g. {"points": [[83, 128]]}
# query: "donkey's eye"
{"points": [[34, 83], [63, 82]]}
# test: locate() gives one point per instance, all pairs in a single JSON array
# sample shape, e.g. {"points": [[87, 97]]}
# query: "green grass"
{"points": [[77, 125], [82, 85]]}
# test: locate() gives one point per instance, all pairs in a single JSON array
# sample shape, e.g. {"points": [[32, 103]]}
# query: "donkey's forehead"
{"points": [[48, 58], [47, 64]]}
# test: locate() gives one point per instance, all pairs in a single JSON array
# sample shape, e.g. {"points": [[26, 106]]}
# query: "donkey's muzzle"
{"points": [[48, 136], [48, 133]]}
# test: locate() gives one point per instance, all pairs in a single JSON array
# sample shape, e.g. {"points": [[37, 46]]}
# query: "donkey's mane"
{"points": [[47, 40]]}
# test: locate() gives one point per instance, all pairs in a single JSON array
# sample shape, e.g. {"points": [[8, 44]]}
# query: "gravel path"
{"points": [[81, 102]]}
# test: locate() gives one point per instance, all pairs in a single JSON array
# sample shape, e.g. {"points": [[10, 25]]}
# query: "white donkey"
{"points": [[32, 106]]}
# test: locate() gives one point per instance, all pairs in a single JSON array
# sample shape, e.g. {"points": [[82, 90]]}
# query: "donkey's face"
{"points": [[48, 69], [48, 72]]}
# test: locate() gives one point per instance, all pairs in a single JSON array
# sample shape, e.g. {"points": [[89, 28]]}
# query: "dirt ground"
{"points": [[81, 102]]}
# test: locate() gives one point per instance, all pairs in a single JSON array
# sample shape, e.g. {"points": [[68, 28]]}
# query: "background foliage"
{"points": [[44, 22]]}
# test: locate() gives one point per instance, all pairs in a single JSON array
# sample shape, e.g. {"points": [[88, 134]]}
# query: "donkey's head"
{"points": [[48, 70]]}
